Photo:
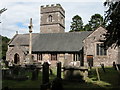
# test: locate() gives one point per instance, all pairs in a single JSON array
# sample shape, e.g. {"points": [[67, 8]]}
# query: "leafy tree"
{"points": [[76, 24], [96, 20], [87, 27], [112, 17], [3, 46]]}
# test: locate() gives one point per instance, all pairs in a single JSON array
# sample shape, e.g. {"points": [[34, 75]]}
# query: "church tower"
{"points": [[52, 19]]}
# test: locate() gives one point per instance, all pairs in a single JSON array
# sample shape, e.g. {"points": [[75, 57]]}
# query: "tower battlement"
{"points": [[52, 19], [52, 7]]}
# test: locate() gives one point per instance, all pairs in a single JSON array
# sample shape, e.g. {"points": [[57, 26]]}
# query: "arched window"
{"points": [[16, 58], [50, 18]]}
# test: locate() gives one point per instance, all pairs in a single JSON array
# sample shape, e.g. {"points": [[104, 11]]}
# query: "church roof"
{"points": [[53, 42]]}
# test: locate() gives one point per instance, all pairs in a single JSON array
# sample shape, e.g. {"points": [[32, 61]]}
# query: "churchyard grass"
{"points": [[109, 79]]}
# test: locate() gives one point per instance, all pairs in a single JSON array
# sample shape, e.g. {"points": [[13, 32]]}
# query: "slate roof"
{"points": [[21, 39], [53, 42]]}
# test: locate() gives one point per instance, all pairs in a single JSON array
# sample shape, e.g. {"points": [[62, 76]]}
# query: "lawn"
{"points": [[108, 80]]}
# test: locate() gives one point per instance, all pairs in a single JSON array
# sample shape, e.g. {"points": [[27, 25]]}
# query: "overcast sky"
{"points": [[19, 12]]}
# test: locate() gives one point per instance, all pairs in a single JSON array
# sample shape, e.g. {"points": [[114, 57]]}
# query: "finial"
{"points": [[30, 26], [16, 32]]}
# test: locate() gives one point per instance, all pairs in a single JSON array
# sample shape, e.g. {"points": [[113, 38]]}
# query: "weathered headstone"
{"points": [[59, 70], [35, 74], [114, 66], [45, 73], [102, 65], [45, 77], [57, 84]]}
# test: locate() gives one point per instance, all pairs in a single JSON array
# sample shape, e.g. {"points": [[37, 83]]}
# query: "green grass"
{"points": [[27, 83], [23, 84], [109, 79]]}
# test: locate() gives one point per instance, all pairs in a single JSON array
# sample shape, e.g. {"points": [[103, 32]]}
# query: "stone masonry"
{"points": [[52, 19], [90, 49]]}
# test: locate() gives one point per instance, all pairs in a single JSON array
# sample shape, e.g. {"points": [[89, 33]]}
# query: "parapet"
{"points": [[52, 6]]}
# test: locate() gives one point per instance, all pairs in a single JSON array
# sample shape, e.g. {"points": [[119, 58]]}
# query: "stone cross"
{"points": [[30, 36]]}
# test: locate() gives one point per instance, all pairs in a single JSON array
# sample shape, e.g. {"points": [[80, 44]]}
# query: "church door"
{"points": [[90, 60], [16, 58]]}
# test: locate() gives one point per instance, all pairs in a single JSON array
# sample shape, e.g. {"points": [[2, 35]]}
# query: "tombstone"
{"points": [[45, 73], [4, 73], [114, 66], [102, 65], [59, 69], [45, 77], [57, 84], [35, 74], [16, 70]]}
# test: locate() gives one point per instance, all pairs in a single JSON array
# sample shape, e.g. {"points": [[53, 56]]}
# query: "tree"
{"points": [[96, 20], [77, 24], [112, 17], [87, 27], [3, 46]]}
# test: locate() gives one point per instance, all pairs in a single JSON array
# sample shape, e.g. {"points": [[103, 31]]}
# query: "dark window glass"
{"points": [[50, 18], [39, 56], [101, 50], [54, 56]]}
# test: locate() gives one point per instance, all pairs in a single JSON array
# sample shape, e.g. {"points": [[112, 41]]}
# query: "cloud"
{"points": [[18, 14], [49, 1]]}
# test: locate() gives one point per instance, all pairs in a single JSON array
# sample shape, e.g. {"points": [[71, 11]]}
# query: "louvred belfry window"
{"points": [[50, 18]]}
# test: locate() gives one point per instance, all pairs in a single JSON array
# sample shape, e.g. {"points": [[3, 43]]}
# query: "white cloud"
{"points": [[22, 11], [53, 1]]}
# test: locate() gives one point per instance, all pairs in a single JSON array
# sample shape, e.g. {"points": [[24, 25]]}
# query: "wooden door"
{"points": [[90, 60]]}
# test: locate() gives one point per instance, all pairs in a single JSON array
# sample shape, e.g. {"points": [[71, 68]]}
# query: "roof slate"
{"points": [[53, 42]]}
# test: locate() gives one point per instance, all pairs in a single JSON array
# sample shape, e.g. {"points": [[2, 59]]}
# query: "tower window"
{"points": [[50, 18]]}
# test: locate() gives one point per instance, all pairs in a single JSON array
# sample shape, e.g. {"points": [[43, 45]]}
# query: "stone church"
{"points": [[54, 44]]}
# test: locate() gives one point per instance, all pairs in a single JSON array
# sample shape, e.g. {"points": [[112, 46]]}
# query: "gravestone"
{"points": [[102, 65], [114, 66], [59, 70], [45, 73], [57, 84], [75, 74], [45, 77], [35, 74]]}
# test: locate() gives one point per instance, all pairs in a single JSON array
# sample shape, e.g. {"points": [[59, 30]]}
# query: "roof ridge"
{"points": [[12, 39]]}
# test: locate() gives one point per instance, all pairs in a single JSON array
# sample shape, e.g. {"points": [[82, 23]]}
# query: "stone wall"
{"points": [[90, 49], [65, 59], [53, 28], [57, 25], [16, 50]]}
